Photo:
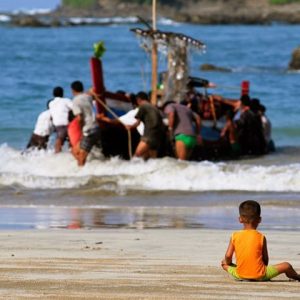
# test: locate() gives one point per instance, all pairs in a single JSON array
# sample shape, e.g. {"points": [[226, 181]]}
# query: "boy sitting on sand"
{"points": [[250, 248]]}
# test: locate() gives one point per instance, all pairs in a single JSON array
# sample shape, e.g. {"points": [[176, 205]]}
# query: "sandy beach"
{"points": [[134, 264]]}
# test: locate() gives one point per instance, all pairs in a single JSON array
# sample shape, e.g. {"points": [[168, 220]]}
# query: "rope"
{"points": [[97, 98]]}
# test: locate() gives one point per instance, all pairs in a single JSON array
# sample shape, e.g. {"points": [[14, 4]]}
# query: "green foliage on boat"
{"points": [[99, 49]]}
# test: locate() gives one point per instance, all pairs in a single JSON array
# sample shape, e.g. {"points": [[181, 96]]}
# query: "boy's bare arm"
{"points": [[198, 123], [224, 130], [265, 255], [229, 253], [171, 120]]}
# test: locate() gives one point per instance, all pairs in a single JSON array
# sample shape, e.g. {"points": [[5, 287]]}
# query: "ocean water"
{"points": [[42, 190]]}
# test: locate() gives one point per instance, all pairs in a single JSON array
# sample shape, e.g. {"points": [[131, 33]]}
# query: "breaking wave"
{"points": [[116, 20], [32, 12], [4, 18], [45, 170]]}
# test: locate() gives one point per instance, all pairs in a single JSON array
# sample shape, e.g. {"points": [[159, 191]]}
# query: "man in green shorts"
{"points": [[184, 124]]}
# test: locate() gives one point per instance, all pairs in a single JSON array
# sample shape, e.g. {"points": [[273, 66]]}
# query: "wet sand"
{"points": [[134, 264]]}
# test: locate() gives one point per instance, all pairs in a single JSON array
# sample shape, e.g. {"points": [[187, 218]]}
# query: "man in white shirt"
{"points": [[43, 128], [59, 109]]}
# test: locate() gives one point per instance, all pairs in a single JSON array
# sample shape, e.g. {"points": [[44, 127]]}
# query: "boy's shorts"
{"points": [[271, 272]]}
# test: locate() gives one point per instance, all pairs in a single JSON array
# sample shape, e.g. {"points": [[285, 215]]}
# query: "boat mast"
{"points": [[154, 57]]}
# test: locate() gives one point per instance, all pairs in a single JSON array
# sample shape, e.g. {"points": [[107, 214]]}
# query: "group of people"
{"points": [[247, 129], [71, 119], [173, 121], [77, 121]]}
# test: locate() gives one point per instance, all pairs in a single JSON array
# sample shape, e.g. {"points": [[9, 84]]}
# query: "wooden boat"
{"points": [[115, 136]]}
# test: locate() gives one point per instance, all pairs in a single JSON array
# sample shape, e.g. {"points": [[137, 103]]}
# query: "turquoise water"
{"points": [[43, 189]]}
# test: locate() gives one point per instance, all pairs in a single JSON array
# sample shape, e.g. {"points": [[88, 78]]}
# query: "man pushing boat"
{"points": [[83, 111], [154, 132]]}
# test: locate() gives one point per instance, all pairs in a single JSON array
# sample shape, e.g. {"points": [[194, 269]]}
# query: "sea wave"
{"points": [[77, 21], [116, 20], [169, 22], [46, 170], [260, 69], [4, 18], [32, 12], [103, 21]]}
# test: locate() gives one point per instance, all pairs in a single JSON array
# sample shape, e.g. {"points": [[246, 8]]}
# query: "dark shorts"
{"points": [[37, 141], [62, 132], [154, 141], [92, 139], [235, 148]]}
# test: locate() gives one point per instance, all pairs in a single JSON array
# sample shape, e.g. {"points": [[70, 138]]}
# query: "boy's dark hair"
{"points": [[132, 98], [77, 86], [245, 99], [254, 105], [249, 211], [142, 95], [262, 108], [58, 91]]}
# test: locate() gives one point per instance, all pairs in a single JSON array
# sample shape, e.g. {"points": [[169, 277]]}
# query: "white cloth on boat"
{"points": [[43, 126], [129, 119], [59, 109]]}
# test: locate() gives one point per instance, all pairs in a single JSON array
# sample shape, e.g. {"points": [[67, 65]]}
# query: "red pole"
{"points": [[245, 87], [97, 81]]}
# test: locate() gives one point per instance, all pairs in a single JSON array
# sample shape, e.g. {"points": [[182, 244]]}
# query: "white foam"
{"points": [[169, 22], [5, 18], [32, 12], [47, 170], [118, 20], [103, 21]]}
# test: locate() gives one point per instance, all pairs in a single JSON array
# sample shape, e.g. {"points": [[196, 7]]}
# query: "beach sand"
{"points": [[134, 264]]}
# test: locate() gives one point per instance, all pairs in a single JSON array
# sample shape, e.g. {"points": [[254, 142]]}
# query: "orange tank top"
{"points": [[74, 132], [248, 247]]}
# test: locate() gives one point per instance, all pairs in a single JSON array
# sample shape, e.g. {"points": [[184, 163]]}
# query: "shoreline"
{"points": [[30, 217], [134, 264]]}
